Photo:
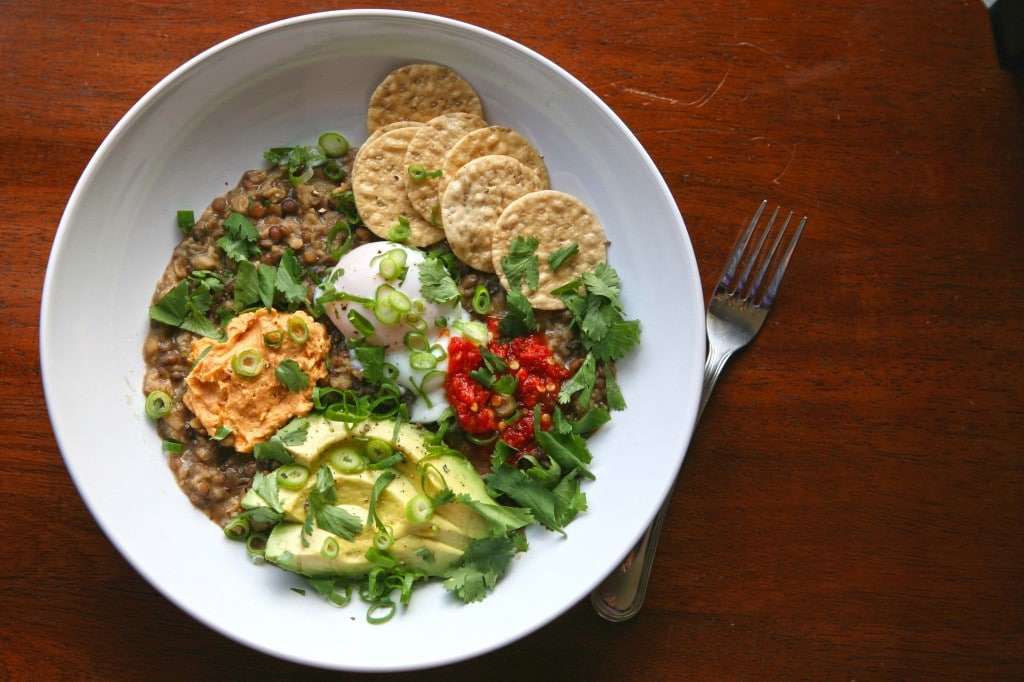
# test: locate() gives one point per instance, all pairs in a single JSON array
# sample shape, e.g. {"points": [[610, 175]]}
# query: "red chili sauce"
{"points": [[480, 410]]}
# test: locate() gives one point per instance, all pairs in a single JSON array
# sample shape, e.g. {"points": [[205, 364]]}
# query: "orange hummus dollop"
{"points": [[255, 407]]}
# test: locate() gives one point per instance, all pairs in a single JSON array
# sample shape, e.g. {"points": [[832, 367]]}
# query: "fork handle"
{"points": [[619, 597]]}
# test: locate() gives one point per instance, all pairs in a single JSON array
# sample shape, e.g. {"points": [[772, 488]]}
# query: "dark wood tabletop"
{"points": [[852, 503]]}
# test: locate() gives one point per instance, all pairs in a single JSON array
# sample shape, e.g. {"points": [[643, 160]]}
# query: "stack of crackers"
{"points": [[480, 186]]}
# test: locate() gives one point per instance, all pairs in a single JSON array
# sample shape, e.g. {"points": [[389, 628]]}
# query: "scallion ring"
{"points": [[347, 460], [387, 610], [334, 171], [292, 476], [401, 231], [416, 341], [247, 363], [298, 330], [238, 529], [377, 449], [158, 404], [330, 548], [481, 300], [419, 509], [383, 539], [422, 360], [334, 144], [273, 338], [256, 545], [419, 173]]}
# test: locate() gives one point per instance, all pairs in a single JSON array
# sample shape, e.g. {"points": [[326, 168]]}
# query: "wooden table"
{"points": [[852, 505]]}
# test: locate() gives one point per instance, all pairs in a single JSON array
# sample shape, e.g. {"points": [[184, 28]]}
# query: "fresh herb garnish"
{"points": [[556, 259], [521, 263], [240, 238], [186, 307], [484, 562], [291, 376], [321, 508], [436, 284]]}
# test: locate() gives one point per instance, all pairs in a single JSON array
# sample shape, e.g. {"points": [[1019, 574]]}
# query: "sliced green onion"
{"points": [[481, 300], [383, 539], [439, 353], [334, 144], [401, 231], [256, 544], [387, 609], [473, 330], [398, 255], [419, 173], [247, 363], [158, 404], [334, 171], [340, 593], [415, 320], [273, 338], [298, 330], [292, 476], [173, 446], [377, 449], [238, 529], [481, 441], [419, 509], [422, 360], [346, 242], [347, 460], [329, 549], [416, 341], [359, 321]]}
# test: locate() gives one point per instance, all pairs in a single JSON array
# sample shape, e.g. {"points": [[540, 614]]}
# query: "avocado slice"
{"points": [[430, 547]]}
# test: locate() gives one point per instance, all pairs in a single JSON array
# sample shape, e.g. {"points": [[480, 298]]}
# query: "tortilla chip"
{"points": [[557, 220], [476, 198]]}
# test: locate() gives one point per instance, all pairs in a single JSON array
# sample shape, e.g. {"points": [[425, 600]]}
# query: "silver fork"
{"points": [[736, 311]]}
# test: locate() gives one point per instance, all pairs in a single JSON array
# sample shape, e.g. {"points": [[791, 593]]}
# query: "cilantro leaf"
{"points": [[520, 319], [265, 485], [247, 286], [500, 519], [436, 284], [521, 263], [483, 563], [582, 382], [547, 507], [267, 280], [568, 449], [328, 517], [291, 376], [240, 238], [556, 259], [288, 279], [178, 308]]}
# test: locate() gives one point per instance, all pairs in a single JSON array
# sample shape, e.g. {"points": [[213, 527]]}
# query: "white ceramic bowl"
{"points": [[188, 140]]}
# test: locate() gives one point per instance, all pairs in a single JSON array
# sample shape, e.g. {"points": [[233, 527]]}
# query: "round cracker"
{"points": [[492, 140], [419, 92], [378, 185], [428, 149], [556, 220], [476, 198], [387, 129]]}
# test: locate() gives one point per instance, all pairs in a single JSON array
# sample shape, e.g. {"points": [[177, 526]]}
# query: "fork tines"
{"points": [[748, 290]]}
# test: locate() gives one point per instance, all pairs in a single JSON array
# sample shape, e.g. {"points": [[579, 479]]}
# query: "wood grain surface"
{"points": [[852, 505]]}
